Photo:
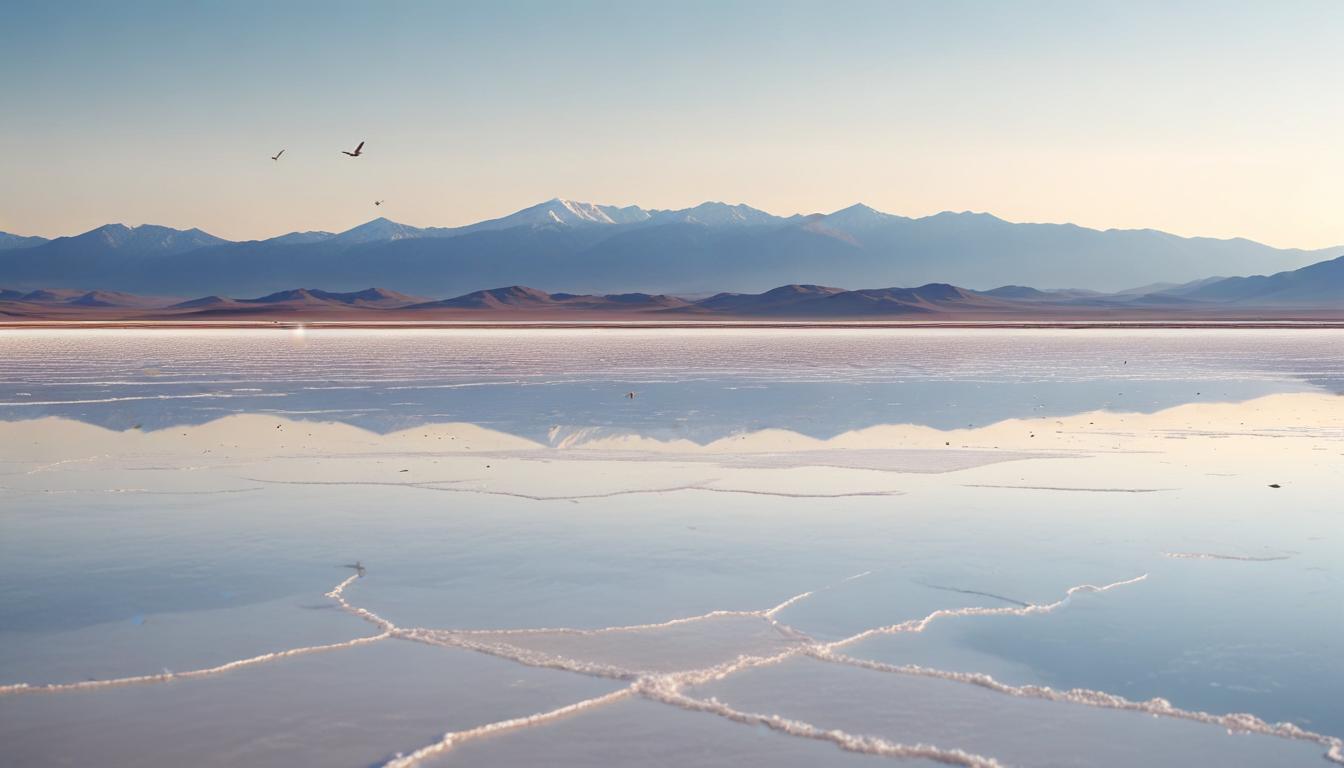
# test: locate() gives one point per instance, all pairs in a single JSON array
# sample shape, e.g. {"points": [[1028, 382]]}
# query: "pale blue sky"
{"points": [[1213, 118]]}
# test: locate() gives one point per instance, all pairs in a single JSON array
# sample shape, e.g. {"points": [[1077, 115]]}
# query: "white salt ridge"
{"points": [[667, 687], [1234, 723], [167, 676], [524, 656], [868, 745], [668, 694], [466, 638], [919, 625], [607, 630], [452, 739], [336, 594]]}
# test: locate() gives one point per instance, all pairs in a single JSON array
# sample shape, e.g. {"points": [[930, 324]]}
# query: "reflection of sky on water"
{"points": [[143, 582], [696, 384], [189, 563]]}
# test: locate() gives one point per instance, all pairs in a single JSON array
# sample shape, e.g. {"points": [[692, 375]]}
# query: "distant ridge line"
{"points": [[714, 246], [1313, 293]]}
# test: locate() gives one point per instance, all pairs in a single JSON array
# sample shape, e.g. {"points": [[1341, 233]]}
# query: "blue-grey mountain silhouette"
{"points": [[583, 248], [1317, 285], [8, 241]]}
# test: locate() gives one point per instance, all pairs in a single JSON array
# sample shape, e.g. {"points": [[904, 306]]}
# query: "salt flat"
{"points": [[1008, 581]]}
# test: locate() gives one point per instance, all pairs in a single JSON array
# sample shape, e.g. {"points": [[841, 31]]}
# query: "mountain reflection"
{"points": [[694, 385]]}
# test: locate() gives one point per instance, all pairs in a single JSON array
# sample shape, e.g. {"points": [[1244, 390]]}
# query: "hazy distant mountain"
{"points": [[495, 298], [46, 296], [775, 299], [715, 214], [859, 219], [300, 238], [111, 257], [146, 239], [1020, 292], [590, 249], [206, 302], [622, 300], [376, 298], [522, 298], [110, 299], [934, 297], [382, 230], [8, 241], [1312, 292], [371, 297], [1317, 285], [1169, 289], [75, 298]]}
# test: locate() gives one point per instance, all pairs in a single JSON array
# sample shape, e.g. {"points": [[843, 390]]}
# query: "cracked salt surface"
{"points": [[637, 598], [675, 686]]}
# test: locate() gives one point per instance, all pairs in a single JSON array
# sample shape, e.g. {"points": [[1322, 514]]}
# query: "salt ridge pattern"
{"points": [[669, 688]]}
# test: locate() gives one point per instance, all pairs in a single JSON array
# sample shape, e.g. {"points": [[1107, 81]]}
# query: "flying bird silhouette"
{"points": [[277, 155], [377, 202], [358, 151]]}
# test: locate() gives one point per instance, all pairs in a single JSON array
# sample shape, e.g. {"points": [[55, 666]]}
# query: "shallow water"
{"points": [[697, 384], [532, 539]]}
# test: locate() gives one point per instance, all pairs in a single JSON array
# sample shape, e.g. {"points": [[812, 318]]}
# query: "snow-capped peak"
{"points": [[583, 212], [378, 230], [559, 211], [718, 214]]}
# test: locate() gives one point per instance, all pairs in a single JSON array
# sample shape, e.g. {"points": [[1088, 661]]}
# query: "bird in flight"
{"points": [[277, 155], [358, 151], [377, 202]]}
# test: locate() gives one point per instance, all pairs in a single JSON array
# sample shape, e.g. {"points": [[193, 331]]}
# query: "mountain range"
{"points": [[586, 248], [1313, 292]]}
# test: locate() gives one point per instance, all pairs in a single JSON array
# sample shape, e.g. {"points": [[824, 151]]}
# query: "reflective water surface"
{"points": [[789, 547], [697, 384]]}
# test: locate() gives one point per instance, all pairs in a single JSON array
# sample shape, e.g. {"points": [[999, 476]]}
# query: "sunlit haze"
{"points": [[1200, 118]]}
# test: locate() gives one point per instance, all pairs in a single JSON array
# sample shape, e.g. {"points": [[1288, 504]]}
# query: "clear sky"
{"points": [[1200, 118]]}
